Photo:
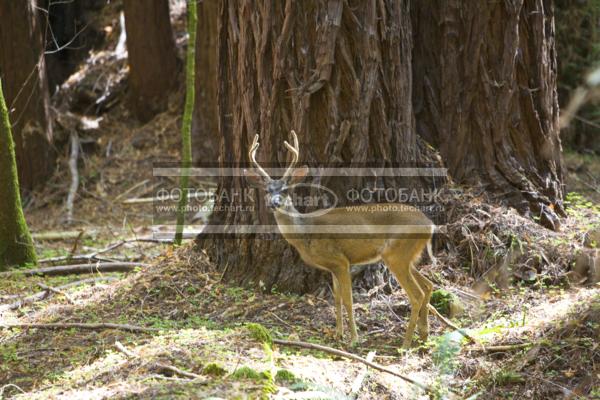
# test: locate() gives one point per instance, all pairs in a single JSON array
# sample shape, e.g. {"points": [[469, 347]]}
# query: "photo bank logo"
{"points": [[320, 200]]}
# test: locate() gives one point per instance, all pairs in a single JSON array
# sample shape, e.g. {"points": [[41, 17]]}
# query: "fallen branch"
{"points": [[77, 269], [59, 235], [450, 324], [74, 175], [75, 244], [57, 291], [502, 347], [131, 189], [94, 256], [358, 382], [80, 258], [45, 293], [354, 357], [70, 325], [158, 365]]}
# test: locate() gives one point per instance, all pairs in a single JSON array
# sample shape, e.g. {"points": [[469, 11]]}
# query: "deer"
{"points": [[336, 254]]}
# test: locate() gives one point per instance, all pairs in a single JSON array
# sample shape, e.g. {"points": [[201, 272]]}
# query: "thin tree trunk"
{"points": [[186, 125], [151, 54], [16, 246], [339, 74], [22, 69], [485, 94]]}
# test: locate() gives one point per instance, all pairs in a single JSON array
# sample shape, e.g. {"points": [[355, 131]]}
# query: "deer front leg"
{"points": [[402, 271], [345, 289], [339, 318], [427, 288], [415, 297]]}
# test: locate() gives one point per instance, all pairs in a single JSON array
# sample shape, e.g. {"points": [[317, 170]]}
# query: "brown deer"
{"points": [[337, 253]]}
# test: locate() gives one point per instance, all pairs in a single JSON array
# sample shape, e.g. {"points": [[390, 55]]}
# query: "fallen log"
{"points": [[70, 325], [60, 235], [77, 269]]}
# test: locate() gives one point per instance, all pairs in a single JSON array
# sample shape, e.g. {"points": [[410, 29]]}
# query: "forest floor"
{"points": [[523, 292]]}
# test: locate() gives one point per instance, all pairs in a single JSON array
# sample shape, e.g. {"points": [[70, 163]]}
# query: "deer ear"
{"points": [[298, 175], [253, 178]]}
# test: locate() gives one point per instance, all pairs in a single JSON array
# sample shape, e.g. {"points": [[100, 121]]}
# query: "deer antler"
{"points": [[295, 153], [252, 156]]}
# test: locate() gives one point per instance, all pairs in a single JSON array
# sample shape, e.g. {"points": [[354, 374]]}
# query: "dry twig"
{"points": [[159, 365], [358, 382], [354, 357], [450, 324]]}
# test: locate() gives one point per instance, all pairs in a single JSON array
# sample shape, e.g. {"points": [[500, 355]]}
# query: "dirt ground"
{"points": [[521, 291]]}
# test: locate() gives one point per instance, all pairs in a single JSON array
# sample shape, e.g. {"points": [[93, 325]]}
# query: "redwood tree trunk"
{"points": [[339, 74], [22, 70], [485, 94], [151, 54]]}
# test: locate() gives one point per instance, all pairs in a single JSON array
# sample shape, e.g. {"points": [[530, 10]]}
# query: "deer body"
{"points": [[336, 251]]}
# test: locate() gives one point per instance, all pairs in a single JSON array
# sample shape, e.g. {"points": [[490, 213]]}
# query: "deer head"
{"points": [[277, 189]]}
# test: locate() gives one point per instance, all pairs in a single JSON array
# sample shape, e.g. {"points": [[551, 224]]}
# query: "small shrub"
{"points": [[260, 333], [214, 369]]}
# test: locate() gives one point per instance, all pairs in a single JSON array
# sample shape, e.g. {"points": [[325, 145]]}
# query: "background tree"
{"points": [[339, 74], [22, 69], [485, 95], [149, 37], [205, 131], [76, 28], [577, 38], [16, 246]]}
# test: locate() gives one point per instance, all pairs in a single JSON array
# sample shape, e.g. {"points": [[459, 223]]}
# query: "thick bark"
{"points": [[151, 54], [485, 94], [205, 131], [16, 246], [22, 70], [339, 74]]}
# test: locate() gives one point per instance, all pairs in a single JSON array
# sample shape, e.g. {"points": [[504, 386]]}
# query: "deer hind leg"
{"points": [[402, 271], [345, 292], [427, 288], [339, 318]]}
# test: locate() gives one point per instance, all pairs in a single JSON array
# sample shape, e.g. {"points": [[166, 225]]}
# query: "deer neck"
{"points": [[288, 214]]}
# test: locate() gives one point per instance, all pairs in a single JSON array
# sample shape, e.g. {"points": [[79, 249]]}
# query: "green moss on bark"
{"points": [[186, 127], [16, 246]]}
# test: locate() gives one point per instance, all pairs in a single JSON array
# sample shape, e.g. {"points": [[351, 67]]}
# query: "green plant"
{"points": [[260, 333], [442, 301], [214, 369]]}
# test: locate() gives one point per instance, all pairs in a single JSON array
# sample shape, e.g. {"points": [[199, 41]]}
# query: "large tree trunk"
{"points": [[22, 70], [485, 94], [16, 246], [151, 54], [339, 74]]}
